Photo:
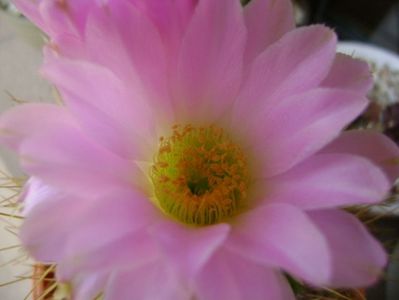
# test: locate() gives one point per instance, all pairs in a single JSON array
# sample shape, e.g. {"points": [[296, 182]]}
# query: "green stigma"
{"points": [[200, 176]]}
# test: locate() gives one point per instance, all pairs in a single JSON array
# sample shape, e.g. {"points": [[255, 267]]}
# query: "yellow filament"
{"points": [[200, 176]]}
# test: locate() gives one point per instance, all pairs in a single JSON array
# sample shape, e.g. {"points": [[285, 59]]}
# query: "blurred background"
{"points": [[375, 22], [368, 29]]}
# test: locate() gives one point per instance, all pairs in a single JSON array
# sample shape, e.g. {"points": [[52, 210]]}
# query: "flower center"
{"points": [[200, 176]]}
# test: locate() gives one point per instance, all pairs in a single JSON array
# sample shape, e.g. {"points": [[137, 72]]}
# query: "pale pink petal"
{"points": [[163, 12], [349, 73], [140, 39], [357, 258], [229, 276], [30, 9], [110, 112], [303, 124], [62, 156], [112, 217], [67, 45], [19, 123], [115, 59], [88, 286], [93, 237], [124, 54], [132, 250], [153, 281], [282, 236], [371, 144], [58, 17], [189, 248], [330, 180], [55, 17], [47, 226], [266, 21], [209, 68], [171, 18], [299, 61], [68, 227], [35, 192]]}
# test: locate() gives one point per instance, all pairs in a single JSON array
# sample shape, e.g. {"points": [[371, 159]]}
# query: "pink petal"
{"points": [[62, 156], [330, 180], [349, 73], [58, 17], [115, 215], [47, 226], [23, 121], [66, 227], [153, 281], [146, 51], [88, 286], [209, 68], [299, 61], [35, 192], [116, 59], [137, 44], [303, 124], [357, 258], [106, 109], [229, 276], [171, 18], [266, 21], [371, 144], [189, 248], [132, 250], [168, 15], [282, 236], [30, 9], [67, 45]]}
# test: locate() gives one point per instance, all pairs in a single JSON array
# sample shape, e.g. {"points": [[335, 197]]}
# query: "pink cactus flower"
{"points": [[199, 152]]}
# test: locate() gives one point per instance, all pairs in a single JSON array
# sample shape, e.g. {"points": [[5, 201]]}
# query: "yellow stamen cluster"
{"points": [[200, 176]]}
